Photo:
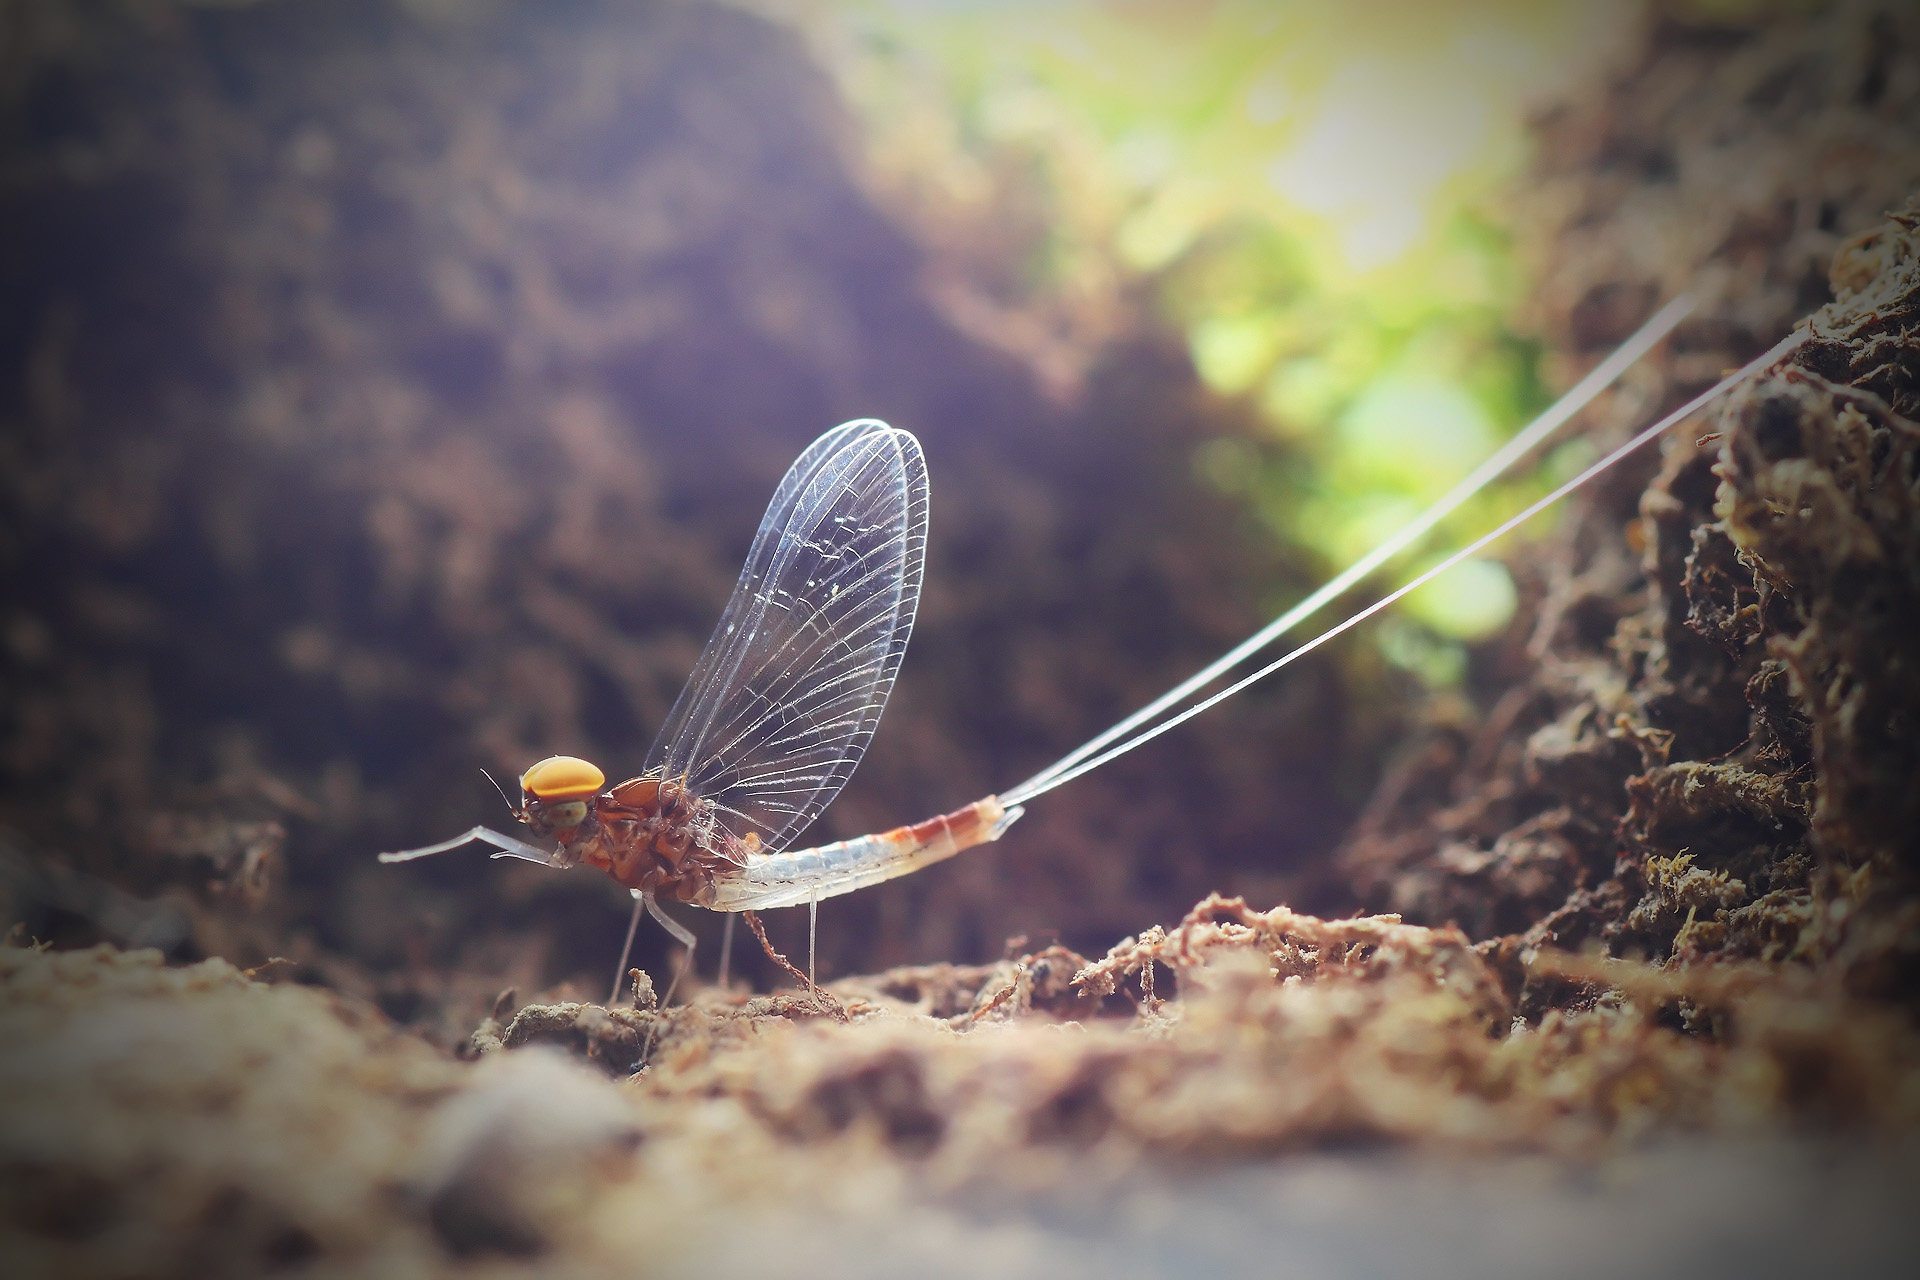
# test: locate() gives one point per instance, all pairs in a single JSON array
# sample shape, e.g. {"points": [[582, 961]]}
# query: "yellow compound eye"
{"points": [[562, 778]]}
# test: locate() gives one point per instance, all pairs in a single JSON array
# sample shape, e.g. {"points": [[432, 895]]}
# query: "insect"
{"points": [[777, 713], [788, 691]]}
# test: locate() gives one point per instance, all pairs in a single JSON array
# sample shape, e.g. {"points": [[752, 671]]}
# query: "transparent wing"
{"points": [[787, 694]]}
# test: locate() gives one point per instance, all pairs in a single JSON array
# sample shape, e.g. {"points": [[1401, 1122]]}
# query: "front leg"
{"points": [[509, 847]]}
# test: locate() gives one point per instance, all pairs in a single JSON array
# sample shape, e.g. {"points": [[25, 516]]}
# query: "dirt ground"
{"points": [[1614, 972]]}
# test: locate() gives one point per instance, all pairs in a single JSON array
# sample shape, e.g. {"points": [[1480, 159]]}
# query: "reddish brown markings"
{"points": [[645, 839], [927, 832], [637, 793], [960, 825]]}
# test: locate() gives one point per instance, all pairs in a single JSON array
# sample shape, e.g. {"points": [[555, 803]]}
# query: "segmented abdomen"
{"points": [[806, 875]]}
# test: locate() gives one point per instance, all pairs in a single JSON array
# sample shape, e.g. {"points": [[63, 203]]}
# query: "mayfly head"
{"points": [[556, 796]]}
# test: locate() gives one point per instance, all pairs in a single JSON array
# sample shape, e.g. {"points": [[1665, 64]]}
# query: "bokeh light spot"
{"points": [[1416, 433], [1471, 601]]}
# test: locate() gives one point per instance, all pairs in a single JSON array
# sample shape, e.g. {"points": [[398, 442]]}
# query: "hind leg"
{"points": [[726, 950]]}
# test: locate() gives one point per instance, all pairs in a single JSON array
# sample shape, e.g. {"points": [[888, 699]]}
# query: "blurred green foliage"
{"points": [[1308, 192]]}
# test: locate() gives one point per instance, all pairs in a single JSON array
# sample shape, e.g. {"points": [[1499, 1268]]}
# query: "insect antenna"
{"points": [[503, 794]]}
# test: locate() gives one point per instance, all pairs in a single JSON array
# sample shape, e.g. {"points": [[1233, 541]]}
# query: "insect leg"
{"points": [[726, 949], [681, 934], [509, 847], [813, 932], [626, 949], [686, 939]]}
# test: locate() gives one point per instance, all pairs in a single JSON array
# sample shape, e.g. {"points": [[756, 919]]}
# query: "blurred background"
{"points": [[390, 389]]}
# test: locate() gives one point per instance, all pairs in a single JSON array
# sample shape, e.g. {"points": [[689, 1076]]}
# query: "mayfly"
{"points": [[786, 695], [779, 709]]}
